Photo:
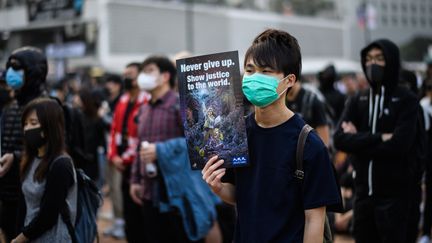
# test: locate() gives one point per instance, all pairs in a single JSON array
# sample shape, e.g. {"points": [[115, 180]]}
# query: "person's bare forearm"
{"points": [[227, 193], [314, 225], [342, 220], [313, 232], [324, 133]]}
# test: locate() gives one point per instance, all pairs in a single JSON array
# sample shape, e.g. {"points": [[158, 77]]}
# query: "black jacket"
{"points": [[382, 169], [34, 64], [94, 137], [11, 142]]}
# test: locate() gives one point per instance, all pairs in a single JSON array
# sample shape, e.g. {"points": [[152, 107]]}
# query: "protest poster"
{"points": [[212, 110]]}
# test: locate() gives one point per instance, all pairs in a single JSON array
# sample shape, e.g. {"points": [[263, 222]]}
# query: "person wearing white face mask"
{"points": [[147, 81], [165, 191]]}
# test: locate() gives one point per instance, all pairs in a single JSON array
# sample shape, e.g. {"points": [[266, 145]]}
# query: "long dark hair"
{"points": [[90, 102], [51, 119]]}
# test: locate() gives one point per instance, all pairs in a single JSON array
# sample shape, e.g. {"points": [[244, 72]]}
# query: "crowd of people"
{"points": [[367, 163]]}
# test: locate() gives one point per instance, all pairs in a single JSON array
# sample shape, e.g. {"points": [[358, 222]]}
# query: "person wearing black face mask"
{"points": [[33, 137], [47, 174], [379, 129], [334, 97], [121, 154], [128, 83]]}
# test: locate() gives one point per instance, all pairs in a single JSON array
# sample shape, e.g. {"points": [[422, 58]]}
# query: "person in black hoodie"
{"points": [[26, 70], [334, 98], [378, 129], [95, 134]]}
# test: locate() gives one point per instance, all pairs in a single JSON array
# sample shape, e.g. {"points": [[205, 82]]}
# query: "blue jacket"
{"points": [[186, 190]]}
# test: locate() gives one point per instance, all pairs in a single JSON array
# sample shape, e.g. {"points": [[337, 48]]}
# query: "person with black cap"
{"points": [[378, 128], [26, 71]]}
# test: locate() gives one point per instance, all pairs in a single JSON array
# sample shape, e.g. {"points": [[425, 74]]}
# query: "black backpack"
{"points": [[330, 114], [307, 106], [89, 199], [299, 174]]}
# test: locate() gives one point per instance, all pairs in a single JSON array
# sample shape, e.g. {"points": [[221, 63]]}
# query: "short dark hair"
{"points": [[136, 65], [51, 119], [164, 64], [113, 78], [276, 49]]}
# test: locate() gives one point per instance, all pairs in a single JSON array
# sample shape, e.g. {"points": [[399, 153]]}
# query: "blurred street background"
{"points": [[79, 34]]}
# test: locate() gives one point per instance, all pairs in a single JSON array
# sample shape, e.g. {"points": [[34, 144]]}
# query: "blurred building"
{"points": [[110, 33], [398, 20]]}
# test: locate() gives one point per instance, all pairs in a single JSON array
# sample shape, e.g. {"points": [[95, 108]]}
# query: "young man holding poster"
{"points": [[273, 205]]}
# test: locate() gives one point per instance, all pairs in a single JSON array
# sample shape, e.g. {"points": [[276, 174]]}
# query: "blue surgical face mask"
{"points": [[260, 89], [54, 93], [15, 79]]}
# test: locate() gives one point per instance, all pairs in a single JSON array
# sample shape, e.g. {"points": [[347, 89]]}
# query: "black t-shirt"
{"points": [[270, 200], [309, 107]]}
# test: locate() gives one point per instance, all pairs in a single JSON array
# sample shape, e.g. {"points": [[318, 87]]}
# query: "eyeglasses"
{"points": [[375, 59]]}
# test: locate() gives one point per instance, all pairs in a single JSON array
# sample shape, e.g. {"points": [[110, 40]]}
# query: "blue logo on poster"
{"points": [[239, 160]]}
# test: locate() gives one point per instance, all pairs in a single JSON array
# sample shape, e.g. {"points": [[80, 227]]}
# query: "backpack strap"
{"points": [[64, 211], [65, 215], [307, 104], [299, 173], [57, 158]]}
